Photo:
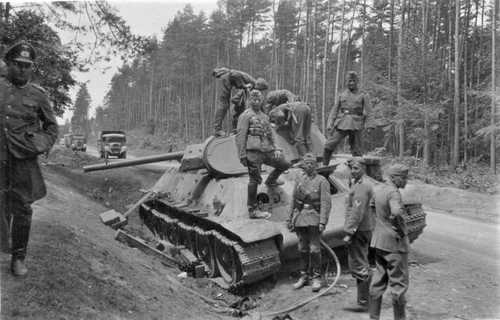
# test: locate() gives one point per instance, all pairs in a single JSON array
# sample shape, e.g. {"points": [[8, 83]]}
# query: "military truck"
{"points": [[78, 143], [112, 143]]}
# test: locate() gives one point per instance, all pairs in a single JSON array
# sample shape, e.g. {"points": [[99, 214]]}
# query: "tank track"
{"points": [[255, 261], [414, 217]]}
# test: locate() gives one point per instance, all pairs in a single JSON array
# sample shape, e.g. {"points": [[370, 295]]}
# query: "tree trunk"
{"points": [[391, 45], [325, 59], [313, 63], [426, 146], [362, 54], [295, 86], [456, 96], [493, 90], [339, 55], [398, 85]]}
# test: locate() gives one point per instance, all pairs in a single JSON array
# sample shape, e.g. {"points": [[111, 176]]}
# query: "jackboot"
{"points": [[363, 292], [374, 307], [398, 307], [317, 282], [303, 281], [17, 267], [272, 180], [327, 154]]}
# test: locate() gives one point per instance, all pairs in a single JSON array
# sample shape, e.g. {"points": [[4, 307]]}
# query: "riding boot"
{"points": [[317, 283], [363, 292], [398, 306], [374, 307], [305, 272], [327, 154], [20, 237], [272, 178]]}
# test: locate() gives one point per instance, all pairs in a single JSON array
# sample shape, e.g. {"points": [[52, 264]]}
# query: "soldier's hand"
{"points": [[277, 154], [244, 161], [321, 228], [347, 239]]}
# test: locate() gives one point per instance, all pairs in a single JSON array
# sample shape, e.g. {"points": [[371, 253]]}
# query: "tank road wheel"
{"points": [[205, 252], [227, 262]]}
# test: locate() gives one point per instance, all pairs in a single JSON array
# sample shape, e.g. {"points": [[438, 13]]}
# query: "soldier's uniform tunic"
{"points": [[311, 207], [359, 223], [297, 129], [347, 118], [27, 128], [391, 243], [255, 142], [231, 79]]}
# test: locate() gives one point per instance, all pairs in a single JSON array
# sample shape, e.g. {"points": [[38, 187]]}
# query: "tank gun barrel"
{"points": [[133, 162]]}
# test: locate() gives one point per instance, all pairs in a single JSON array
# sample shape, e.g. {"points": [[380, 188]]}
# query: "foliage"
{"points": [[80, 121]]}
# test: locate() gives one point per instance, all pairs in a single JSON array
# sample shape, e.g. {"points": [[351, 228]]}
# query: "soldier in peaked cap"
{"points": [[28, 128], [347, 118], [358, 226], [309, 213], [391, 244]]}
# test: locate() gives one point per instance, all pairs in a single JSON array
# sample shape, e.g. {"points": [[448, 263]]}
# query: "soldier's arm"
{"points": [[241, 79], [325, 200], [289, 96], [49, 123], [367, 109], [242, 134], [333, 114], [360, 200], [292, 205], [395, 204]]}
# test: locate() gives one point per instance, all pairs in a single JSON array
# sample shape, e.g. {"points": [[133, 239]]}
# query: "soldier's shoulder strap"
{"points": [[39, 88]]}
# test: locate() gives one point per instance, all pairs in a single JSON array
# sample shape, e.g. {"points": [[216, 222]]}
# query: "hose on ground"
{"points": [[306, 301]]}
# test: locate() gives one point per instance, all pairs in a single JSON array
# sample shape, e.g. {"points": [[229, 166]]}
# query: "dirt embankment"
{"points": [[78, 270]]}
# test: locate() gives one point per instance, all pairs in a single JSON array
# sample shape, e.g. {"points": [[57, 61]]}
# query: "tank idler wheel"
{"points": [[227, 262], [205, 252]]}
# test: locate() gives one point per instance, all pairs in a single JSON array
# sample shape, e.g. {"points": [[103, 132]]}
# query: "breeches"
{"points": [[338, 136], [391, 270], [358, 255], [15, 220], [309, 239]]}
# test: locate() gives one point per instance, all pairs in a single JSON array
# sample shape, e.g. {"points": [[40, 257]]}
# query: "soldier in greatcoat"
{"points": [[390, 240], [256, 146], [347, 119], [241, 82], [28, 128], [358, 225], [309, 213]]}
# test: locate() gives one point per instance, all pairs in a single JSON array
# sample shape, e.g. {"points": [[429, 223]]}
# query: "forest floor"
{"points": [[78, 270]]}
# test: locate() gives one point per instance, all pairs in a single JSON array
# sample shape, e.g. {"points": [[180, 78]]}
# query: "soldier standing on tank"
{"points": [[28, 128], [233, 79], [347, 118], [294, 122], [358, 226], [391, 244], [255, 143], [308, 217], [278, 97]]}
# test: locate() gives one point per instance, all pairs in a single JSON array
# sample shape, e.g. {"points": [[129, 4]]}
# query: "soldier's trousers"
{"points": [[255, 160], [354, 137], [310, 249], [358, 255], [16, 220], [391, 271]]}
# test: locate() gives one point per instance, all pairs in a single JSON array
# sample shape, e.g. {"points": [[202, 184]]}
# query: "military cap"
{"points": [[397, 170], [261, 84], [352, 75], [356, 161], [255, 93], [21, 51], [309, 157]]}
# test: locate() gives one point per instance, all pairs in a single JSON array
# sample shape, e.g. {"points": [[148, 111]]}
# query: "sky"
{"points": [[146, 18]]}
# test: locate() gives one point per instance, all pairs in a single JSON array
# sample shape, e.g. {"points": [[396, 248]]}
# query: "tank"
{"points": [[201, 205]]}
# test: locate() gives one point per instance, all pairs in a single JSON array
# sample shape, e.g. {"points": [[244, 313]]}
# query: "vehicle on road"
{"points": [[112, 143], [78, 143]]}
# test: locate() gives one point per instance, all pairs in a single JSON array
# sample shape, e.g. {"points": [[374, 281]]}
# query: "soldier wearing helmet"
{"points": [[390, 240], [256, 146], [240, 81], [308, 217], [294, 120], [28, 128], [347, 119]]}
